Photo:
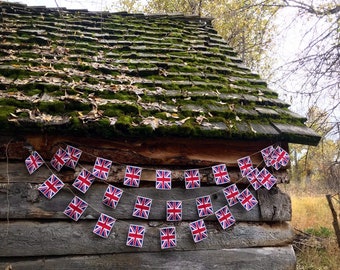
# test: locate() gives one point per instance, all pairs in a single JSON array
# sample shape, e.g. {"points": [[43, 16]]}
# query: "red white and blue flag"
{"points": [[168, 237], [83, 181], [142, 207], [75, 208], [279, 158], [112, 196], [252, 178], [198, 230], [104, 225], [245, 165], [74, 156], [192, 179], [221, 174], [51, 186], [247, 199], [101, 168], [163, 179], [59, 159], [225, 217], [231, 193], [204, 206], [266, 155], [33, 162], [174, 210], [266, 178], [132, 176], [135, 236]]}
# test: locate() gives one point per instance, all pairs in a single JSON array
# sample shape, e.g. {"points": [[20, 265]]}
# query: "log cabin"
{"points": [[151, 94]]}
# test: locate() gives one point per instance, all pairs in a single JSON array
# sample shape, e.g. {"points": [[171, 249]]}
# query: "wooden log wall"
{"points": [[35, 234]]}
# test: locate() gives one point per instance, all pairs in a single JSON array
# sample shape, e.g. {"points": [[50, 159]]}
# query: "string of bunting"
{"points": [[275, 157]]}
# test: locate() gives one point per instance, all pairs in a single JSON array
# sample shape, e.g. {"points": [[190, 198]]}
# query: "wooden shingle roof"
{"points": [[118, 74]]}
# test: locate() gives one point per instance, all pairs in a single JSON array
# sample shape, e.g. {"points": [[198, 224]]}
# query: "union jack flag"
{"points": [[101, 168], [266, 178], [163, 179], [279, 158], [221, 174], [198, 230], [132, 176], [104, 225], [168, 237], [252, 178], [83, 181], [174, 210], [74, 154], [51, 186], [245, 165], [231, 193], [112, 196], [266, 155], [75, 208], [33, 162], [204, 206], [192, 179], [225, 217], [59, 159], [247, 199], [135, 236], [142, 207]]}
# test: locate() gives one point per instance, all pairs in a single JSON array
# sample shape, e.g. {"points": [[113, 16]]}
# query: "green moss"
{"points": [[16, 103], [52, 107]]}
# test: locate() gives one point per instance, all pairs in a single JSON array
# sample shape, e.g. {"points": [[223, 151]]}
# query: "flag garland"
{"points": [[272, 157], [142, 207], [198, 230], [75, 208], [168, 237], [51, 186], [225, 217], [112, 196], [33, 162], [174, 210], [83, 181], [59, 159], [204, 206], [192, 179], [104, 225], [135, 236]]}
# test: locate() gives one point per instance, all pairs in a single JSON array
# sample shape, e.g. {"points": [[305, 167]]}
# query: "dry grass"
{"points": [[312, 215], [311, 212]]}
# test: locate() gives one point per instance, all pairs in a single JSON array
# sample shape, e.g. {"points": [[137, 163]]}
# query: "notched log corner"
{"points": [[274, 204]]}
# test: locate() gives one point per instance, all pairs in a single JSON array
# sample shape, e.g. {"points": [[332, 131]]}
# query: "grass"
{"points": [[319, 249]]}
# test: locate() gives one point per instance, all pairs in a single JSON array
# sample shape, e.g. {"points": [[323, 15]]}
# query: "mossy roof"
{"points": [[133, 75]]}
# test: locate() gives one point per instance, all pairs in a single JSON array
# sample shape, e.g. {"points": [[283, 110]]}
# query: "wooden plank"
{"points": [[17, 172], [268, 202], [155, 151], [278, 258], [28, 238], [25, 201]]}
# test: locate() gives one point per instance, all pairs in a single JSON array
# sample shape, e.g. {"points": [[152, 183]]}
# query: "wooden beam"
{"points": [[25, 201], [17, 172], [155, 151], [29, 238], [278, 258]]}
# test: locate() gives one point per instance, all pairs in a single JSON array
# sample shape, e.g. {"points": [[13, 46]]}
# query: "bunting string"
{"points": [[273, 157]]}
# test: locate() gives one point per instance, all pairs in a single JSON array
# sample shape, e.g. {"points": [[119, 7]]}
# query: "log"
{"points": [[31, 238], [25, 201], [156, 151], [17, 172], [278, 258]]}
